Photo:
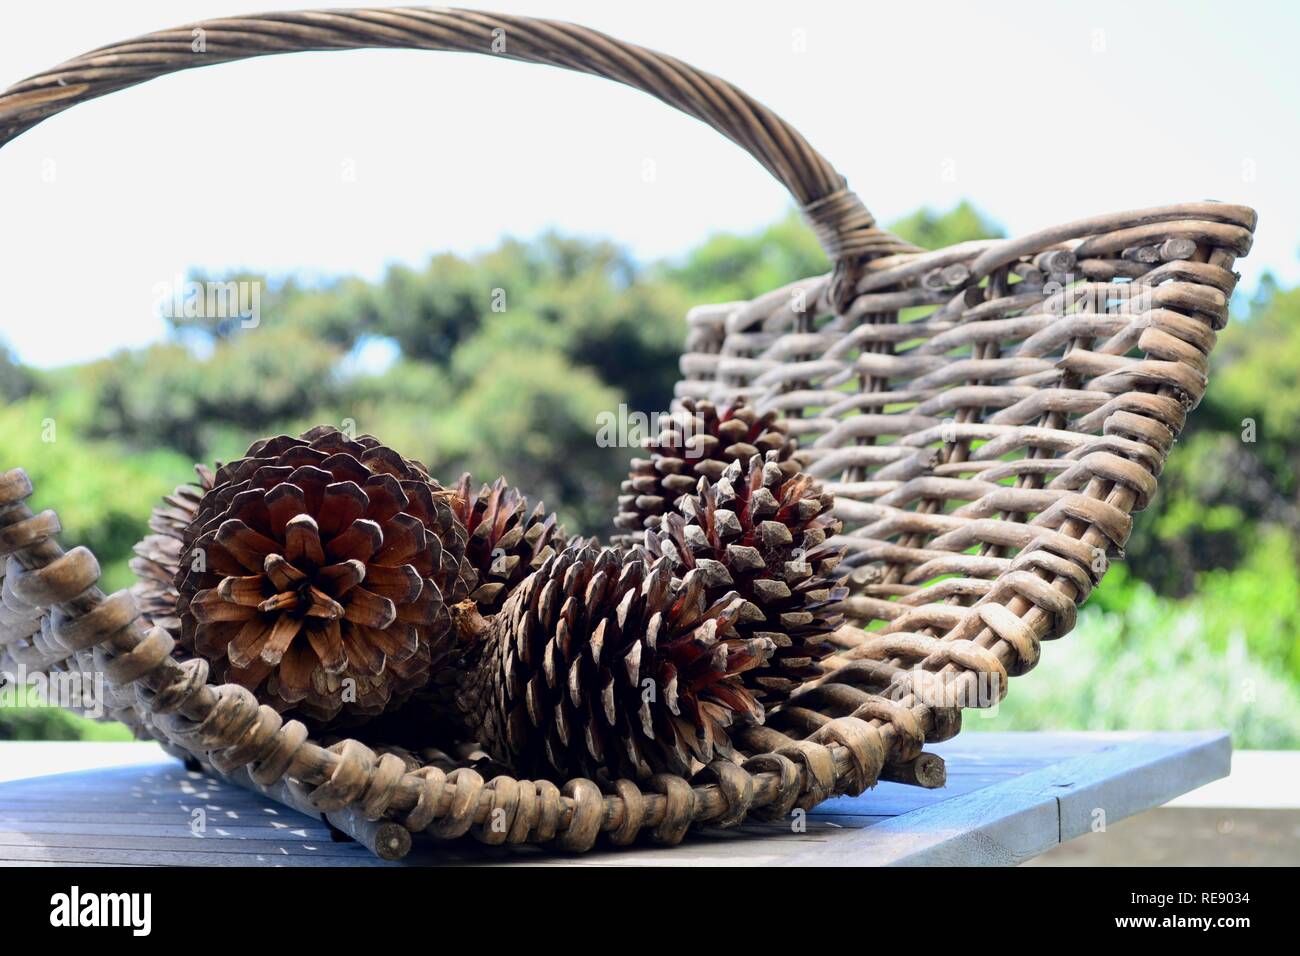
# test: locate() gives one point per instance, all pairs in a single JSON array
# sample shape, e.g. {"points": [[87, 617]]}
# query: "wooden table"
{"points": [[1009, 797]]}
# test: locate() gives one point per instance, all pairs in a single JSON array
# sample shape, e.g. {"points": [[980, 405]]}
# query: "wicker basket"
{"points": [[988, 415]]}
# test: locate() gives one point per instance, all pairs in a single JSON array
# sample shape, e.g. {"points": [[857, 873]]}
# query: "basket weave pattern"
{"points": [[988, 416]]}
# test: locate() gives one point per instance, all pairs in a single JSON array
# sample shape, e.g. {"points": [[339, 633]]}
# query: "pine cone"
{"points": [[327, 559], [763, 535], [505, 543], [158, 555], [604, 666], [698, 440]]}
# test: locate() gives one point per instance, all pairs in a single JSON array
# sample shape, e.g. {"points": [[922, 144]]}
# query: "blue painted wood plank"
{"points": [[1010, 822], [1009, 796]]}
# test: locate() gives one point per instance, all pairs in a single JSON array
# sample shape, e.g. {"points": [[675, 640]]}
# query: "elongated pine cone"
{"points": [[763, 534], [158, 555], [605, 666], [698, 441], [330, 565], [506, 542]]}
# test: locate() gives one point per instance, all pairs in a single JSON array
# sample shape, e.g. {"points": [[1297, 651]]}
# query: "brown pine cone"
{"points": [[697, 441], [763, 535], [603, 666], [506, 544], [158, 555], [329, 566]]}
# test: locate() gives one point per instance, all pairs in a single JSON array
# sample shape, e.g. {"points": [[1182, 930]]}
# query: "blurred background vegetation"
{"points": [[1200, 629]]}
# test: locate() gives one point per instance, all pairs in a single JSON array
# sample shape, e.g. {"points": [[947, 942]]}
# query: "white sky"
{"points": [[1037, 112]]}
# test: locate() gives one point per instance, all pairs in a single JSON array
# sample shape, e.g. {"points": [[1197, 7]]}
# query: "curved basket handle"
{"points": [[846, 230]]}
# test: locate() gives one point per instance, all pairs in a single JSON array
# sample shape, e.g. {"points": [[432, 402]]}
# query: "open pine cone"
{"points": [[158, 556], [605, 666], [328, 564], [762, 534], [506, 543], [698, 440]]}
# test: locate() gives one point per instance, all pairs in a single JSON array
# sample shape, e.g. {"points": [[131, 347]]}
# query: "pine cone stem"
{"points": [[469, 626]]}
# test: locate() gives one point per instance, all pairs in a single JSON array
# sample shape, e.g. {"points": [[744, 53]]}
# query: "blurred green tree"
{"points": [[1234, 479], [15, 380], [934, 230]]}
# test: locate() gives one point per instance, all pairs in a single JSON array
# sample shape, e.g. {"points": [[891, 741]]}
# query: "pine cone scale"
{"points": [[505, 543]]}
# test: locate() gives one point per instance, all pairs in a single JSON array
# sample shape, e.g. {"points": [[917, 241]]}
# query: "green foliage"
{"points": [[1257, 603], [1159, 665], [102, 492], [167, 395], [934, 230], [428, 313], [24, 717], [533, 418], [15, 381], [1203, 515], [629, 334], [1229, 493], [1257, 367], [728, 268]]}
